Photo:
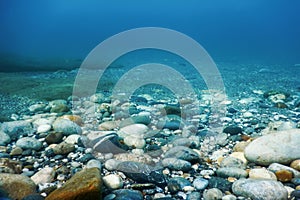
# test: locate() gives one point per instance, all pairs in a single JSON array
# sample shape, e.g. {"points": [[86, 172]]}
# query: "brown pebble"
{"points": [[284, 175], [298, 187], [74, 118], [295, 164]]}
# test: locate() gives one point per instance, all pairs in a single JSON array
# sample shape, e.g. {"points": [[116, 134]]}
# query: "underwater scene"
{"points": [[149, 100]]}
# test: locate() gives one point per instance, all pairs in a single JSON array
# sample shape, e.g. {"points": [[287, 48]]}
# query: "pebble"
{"points": [[29, 143], [66, 127], [37, 107], [194, 196], [45, 175], [176, 164], [58, 106], [229, 197], [183, 153], [137, 130], [94, 163], [269, 149], [220, 183], [200, 183], [44, 128], [16, 151], [295, 164], [123, 194], [112, 181], [17, 186], [259, 189], [142, 173], [233, 162], [108, 126], [63, 148], [274, 167], [112, 164], [262, 173], [72, 139], [98, 98], [177, 184], [34, 197], [233, 130], [284, 175], [54, 137], [4, 138], [134, 142], [226, 172], [212, 194]]}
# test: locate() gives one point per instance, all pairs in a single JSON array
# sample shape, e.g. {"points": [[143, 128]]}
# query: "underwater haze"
{"points": [[59, 34]]}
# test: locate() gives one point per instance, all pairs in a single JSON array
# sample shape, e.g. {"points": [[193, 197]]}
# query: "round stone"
{"points": [[200, 183], [94, 163], [212, 194], [66, 127], [295, 164], [54, 138], [72, 139], [113, 181], [43, 128], [29, 143], [284, 175]]}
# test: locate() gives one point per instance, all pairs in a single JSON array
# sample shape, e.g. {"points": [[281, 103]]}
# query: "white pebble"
{"points": [[113, 181]]}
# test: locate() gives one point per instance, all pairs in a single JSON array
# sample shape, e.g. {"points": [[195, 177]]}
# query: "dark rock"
{"points": [[296, 181], [177, 184], [85, 158], [295, 195], [142, 173], [34, 197], [183, 153], [126, 194], [233, 130], [221, 183], [54, 138], [172, 110], [176, 164]]}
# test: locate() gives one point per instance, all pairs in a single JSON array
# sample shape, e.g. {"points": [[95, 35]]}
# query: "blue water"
{"points": [[60, 33]]}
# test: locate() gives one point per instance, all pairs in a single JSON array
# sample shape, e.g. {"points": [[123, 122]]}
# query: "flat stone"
{"points": [[137, 130], [262, 173], [231, 172], [17, 186], [84, 185], [176, 164], [66, 127], [108, 126], [43, 128], [259, 189], [142, 173], [45, 175], [29, 143], [278, 147]]}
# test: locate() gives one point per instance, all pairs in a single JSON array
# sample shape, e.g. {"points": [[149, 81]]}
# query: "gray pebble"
{"points": [[212, 194], [29, 143]]}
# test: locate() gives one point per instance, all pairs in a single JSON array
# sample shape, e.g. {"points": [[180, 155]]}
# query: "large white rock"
{"points": [[278, 147], [45, 175]]}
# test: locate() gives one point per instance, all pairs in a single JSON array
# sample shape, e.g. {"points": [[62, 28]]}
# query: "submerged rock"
{"points": [[16, 128], [270, 149], [67, 127], [84, 185], [142, 173], [17, 186]]}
